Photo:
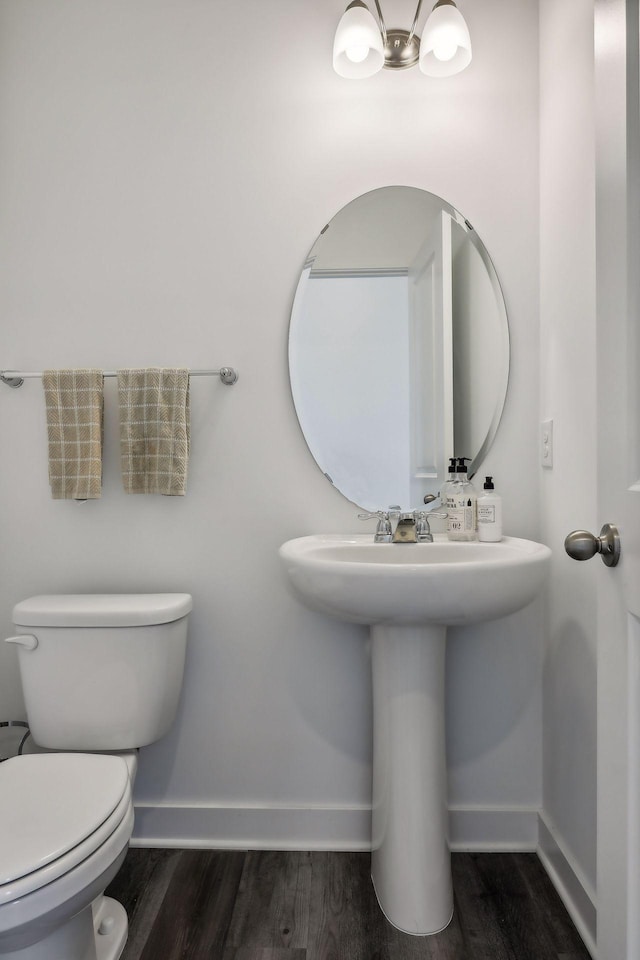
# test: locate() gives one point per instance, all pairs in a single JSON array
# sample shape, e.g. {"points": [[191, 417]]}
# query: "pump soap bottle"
{"points": [[489, 514], [448, 485], [461, 506]]}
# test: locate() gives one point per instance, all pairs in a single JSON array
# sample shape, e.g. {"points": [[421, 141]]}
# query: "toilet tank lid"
{"points": [[102, 609]]}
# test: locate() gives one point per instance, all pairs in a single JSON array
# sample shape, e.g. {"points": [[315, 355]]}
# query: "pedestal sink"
{"points": [[409, 594]]}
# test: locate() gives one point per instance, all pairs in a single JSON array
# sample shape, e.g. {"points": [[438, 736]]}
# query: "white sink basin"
{"points": [[409, 594], [357, 580]]}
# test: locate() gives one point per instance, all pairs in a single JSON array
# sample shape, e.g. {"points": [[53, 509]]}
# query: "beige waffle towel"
{"points": [[74, 404], [154, 430]]}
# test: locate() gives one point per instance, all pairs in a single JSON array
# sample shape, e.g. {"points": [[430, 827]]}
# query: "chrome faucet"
{"points": [[405, 531], [412, 526]]}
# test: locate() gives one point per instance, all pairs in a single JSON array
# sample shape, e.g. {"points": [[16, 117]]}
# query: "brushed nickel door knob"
{"points": [[582, 545]]}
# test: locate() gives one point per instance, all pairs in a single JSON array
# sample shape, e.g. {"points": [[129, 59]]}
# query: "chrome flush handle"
{"points": [[26, 640]]}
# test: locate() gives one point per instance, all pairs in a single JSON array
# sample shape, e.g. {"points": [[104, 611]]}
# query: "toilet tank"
{"points": [[106, 671]]}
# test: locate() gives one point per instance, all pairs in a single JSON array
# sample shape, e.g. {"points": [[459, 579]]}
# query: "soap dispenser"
{"points": [[451, 479], [489, 514], [461, 506]]}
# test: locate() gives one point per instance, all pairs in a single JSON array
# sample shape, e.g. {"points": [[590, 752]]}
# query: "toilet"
{"points": [[101, 675]]}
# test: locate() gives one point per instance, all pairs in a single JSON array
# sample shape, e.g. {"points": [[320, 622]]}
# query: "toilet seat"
{"points": [[55, 811]]}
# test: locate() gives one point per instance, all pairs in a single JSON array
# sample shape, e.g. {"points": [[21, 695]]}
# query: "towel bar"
{"points": [[15, 378]]}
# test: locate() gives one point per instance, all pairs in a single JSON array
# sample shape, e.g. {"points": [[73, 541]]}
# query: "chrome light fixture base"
{"points": [[402, 49]]}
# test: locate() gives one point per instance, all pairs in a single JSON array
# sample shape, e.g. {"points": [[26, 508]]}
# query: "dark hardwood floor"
{"points": [[234, 905]]}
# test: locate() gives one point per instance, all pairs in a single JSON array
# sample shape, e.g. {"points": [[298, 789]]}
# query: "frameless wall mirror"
{"points": [[398, 347]]}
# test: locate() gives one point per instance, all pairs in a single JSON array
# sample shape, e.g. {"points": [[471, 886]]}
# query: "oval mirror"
{"points": [[398, 347]]}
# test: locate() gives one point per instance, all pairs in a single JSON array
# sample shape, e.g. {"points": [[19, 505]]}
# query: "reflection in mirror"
{"points": [[398, 347]]}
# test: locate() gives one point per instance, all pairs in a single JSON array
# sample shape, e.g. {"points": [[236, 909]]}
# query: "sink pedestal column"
{"points": [[410, 862]]}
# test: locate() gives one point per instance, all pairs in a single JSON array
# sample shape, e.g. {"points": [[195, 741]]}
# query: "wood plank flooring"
{"points": [[234, 905]]}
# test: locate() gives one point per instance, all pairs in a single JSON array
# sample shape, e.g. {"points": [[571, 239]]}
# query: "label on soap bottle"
{"points": [[486, 513], [461, 520]]}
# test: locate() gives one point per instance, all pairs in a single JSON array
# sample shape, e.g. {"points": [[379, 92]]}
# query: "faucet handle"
{"points": [[423, 530], [422, 523], [383, 532]]}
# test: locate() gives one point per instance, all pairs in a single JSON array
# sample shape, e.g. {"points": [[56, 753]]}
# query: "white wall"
{"points": [[568, 367], [159, 194]]}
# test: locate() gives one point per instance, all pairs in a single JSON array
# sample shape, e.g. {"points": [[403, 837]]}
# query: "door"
{"points": [[617, 280]]}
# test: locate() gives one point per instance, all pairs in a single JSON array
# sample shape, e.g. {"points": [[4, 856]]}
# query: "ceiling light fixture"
{"points": [[363, 46]]}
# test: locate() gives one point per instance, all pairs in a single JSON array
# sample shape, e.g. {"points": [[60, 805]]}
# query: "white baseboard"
{"points": [[256, 827], [573, 887], [487, 829], [317, 828]]}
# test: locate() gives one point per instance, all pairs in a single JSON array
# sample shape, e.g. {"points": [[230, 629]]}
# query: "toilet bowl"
{"points": [[65, 823], [99, 673]]}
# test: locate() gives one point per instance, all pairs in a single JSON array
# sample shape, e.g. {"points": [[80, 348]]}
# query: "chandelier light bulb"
{"points": [[358, 50], [445, 48]]}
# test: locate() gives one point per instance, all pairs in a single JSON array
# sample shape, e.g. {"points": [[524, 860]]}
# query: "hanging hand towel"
{"points": [[74, 405], [154, 430]]}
